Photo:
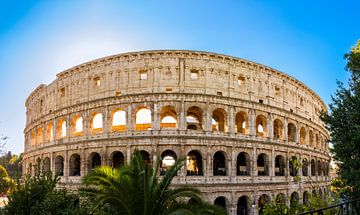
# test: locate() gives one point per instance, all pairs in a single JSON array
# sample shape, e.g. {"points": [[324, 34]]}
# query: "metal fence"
{"points": [[349, 207]]}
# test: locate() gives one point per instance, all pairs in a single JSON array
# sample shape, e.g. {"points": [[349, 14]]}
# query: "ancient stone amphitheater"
{"points": [[251, 134]]}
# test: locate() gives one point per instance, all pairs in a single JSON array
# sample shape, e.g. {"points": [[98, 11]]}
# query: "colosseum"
{"points": [[250, 133]]}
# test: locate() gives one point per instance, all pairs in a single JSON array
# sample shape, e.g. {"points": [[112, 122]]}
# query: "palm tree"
{"points": [[136, 189]]}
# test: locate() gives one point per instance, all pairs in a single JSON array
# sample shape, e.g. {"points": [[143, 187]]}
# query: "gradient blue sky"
{"points": [[38, 39]]}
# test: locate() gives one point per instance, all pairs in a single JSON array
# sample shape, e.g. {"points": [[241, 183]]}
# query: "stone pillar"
{"points": [[156, 117], [231, 120], [286, 130], [84, 163], [130, 117], [182, 116], [66, 164], [252, 122], [106, 122], [272, 162], [207, 118], [86, 123], [271, 125]]}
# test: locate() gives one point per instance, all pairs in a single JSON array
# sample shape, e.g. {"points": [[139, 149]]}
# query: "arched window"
{"points": [[263, 200], [305, 167], [77, 126], [278, 129], [168, 159], [220, 201], [39, 135], [118, 121], [263, 165], [143, 119], [294, 199], [194, 118], [194, 163], [302, 135], [219, 163], [243, 164], [241, 123], [279, 166], [281, 199], [117, 159], [97, 123], [145, 156], [311, 138], [243, 205], [49, 133], [261, 126], [75, 164], [168, 117], [59, 165], [94, 160], [63, 129], [291, 132], [292, 166], [46, 165], [306, 197], [313, 168], [219, 120]]}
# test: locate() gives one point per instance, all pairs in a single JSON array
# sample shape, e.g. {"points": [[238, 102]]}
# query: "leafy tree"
{"points": [[6, 183], [12, 164], [136, 189], [37, 195], [343, 122]]}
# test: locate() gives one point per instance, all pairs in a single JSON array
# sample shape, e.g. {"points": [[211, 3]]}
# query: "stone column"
{"points": [[156, 117], [271, 125], [231, 120], [207, 118], [130, 117], [182, 116], [252, 122], [106, 122]]}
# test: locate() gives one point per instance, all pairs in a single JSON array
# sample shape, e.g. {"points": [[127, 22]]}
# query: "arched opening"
{"points": [[281, 199], [194, 118], [77, 126], [294, 199], [311, 138], [145, 156], [33, 137], [168, 159], [241, 123], [302, 135], [118, 123], [117, 159], [293, 163], [306, 197], [317, 141], [319, 164], [46, 165], [278, 129], [219, 120], [313, 168], [39, 135], [243, 164], [59, 165], [143, 119], [75, 164], [263, 165], [49, 134], [291, 132], [194, 163], [263, 200], [97, 123], [279, 165], [38, 165], [305, 167], [94, 160], [220, 201], [261, 126], [61, 129], [243, 206], [168, 117], [219, 163]]}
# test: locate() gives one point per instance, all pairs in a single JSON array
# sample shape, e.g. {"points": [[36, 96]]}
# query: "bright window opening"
{"points": [[97, 121], [119, 118], [79, 124], [63, 129]]}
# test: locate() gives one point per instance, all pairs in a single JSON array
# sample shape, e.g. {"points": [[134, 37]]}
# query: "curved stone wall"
{"points": [[240, 124]]}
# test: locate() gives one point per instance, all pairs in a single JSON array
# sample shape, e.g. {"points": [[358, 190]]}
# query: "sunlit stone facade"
{"points": [[240, 124]]}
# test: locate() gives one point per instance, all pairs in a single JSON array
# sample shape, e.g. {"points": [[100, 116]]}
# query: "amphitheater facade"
{"points": [[250, 133]]}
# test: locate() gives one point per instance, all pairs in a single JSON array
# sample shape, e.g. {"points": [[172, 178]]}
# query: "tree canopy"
{"points": [[343, 122]]}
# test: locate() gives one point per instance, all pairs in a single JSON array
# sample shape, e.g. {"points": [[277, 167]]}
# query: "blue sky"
{"points": [[38, 39]]}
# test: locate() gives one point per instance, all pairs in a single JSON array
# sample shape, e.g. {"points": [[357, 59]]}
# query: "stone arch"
{"points": [[145, 156], [263, 200], [294, 198], [194, 163], [313, 167], [243, 205], [38, 165], [49, 133], [278, 129], [77, 126], [280, 199], [59, 165], [319, 167], [194, 118], [46, 165], [261, 126], [218, 122], [39, 134], [61, 129], [243, 166], [219, 163], [292, 167], [280, 165], [118, 120], [263, 165], [291, 132], [311, 138], [221, 201], [143, 119], [305, 167], [96, 125], [302, 135], [241, 122], [94, 160], [306, 197], [168, 117], [168, 159], [317, 141], [117, 159], [75, 165]]}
